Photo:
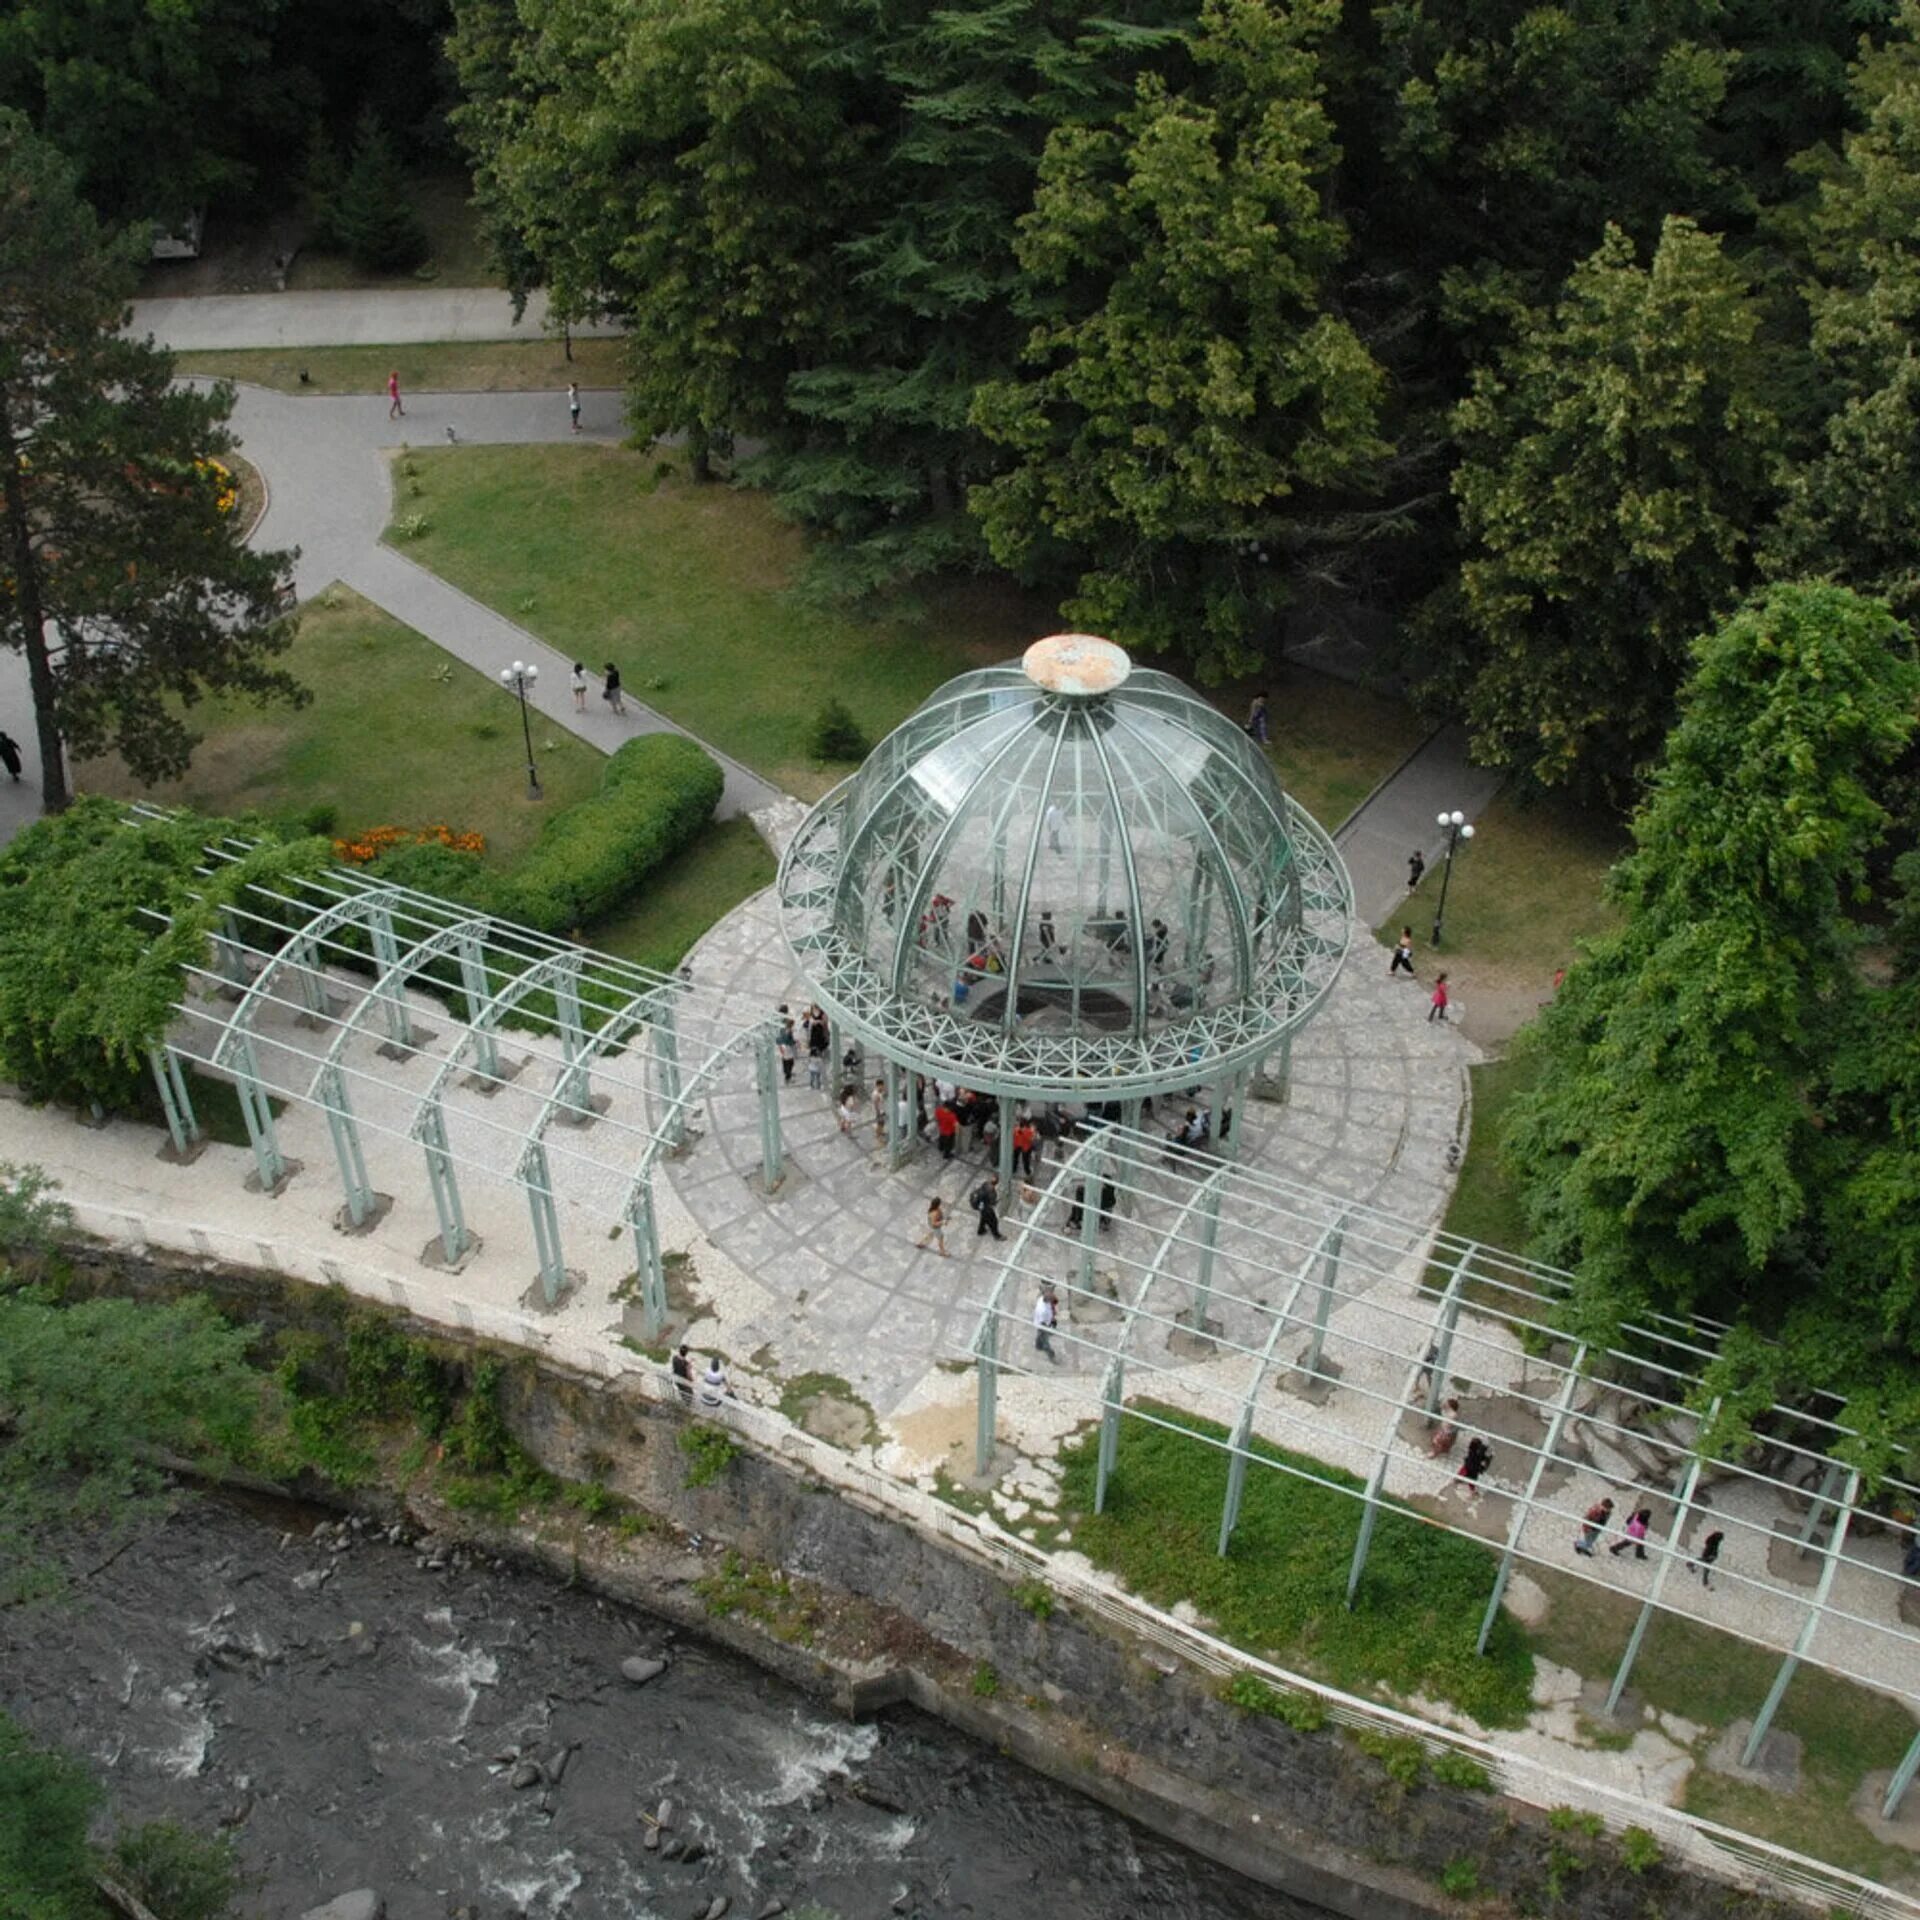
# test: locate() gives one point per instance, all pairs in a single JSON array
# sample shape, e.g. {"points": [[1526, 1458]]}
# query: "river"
{"points": [[366, 1726]]}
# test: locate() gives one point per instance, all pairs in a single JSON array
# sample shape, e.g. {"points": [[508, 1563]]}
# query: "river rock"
{"points": [[651, 1839], [716, 1908], [663, 1817], [772, 1910], [640, 1671], [361, 1904], [526, 1774]]}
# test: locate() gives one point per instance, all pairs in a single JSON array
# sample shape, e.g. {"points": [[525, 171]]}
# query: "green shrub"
{"points": [[1639, 1850], [1461, 1770], [1460, 1877], [373, 216], [710, 1452], [659, 791], [1037, 1597], [837, 735], [1403, 1757], [986, 1681], [1300, 1711], [450, 873], [177, 1873]]}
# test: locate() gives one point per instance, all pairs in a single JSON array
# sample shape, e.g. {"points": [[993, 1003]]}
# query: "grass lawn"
{"points": [[457, 253], [396, 732], [470, 366], [684, 898], [692, 593], [1282, 1588]]}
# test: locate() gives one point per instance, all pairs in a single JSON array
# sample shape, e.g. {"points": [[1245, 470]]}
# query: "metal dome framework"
{"points": [[1067, 878]]}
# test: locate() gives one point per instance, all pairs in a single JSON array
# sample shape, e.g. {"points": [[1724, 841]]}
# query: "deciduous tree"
{"points": [[123, 576]]}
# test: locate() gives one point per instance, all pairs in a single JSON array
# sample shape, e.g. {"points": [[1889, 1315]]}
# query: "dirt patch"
{"points": [[938, 1436], [838, 1422], [229, 761]]}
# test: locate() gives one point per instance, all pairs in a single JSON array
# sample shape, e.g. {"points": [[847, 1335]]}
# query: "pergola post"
{"points": [[538, 1179], [899, 1124], [1370, 1512], [454, 1239], [386, 959], [1902, 1780], [1092, 1186], [230, 951], [1112, 1393], [1445, 1320], [1329, 1261], [986, 1351], [1790, 1665], [1236, 1475], [1209, 1245], [474, 985], [1003, 1159], [767, 1073], [257, 1111], [183, 1125], [1232, 1115], [1684, 1506], [653, 1273], [666, 1059], [346, 1145], [576, 1080], [1523, 1507], [306, 972]]}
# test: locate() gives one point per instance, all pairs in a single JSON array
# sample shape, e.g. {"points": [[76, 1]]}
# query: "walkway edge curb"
{"points": [[1386, 780]]}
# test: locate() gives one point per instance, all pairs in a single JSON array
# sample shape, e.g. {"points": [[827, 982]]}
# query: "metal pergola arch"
{"points": [[1408, 1348], [287, 958]]}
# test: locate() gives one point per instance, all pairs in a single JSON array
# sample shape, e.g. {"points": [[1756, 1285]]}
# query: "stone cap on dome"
{"points": [[1077, 666]]}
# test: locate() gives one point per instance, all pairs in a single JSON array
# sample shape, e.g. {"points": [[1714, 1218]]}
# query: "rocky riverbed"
{"points": [[471, 1740]]}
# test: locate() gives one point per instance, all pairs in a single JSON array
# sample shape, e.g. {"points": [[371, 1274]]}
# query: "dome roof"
{"points": [[1066, 876]]}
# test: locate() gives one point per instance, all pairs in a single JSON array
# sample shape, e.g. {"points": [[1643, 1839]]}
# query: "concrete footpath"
{"points": [[400, 316]]}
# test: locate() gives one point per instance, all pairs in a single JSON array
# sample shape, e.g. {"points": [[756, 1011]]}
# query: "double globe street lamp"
{"points": [[520, 678], [1458, 829]]}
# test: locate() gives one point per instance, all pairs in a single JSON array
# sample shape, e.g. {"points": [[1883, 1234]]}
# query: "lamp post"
{"points": [[519, 678], [1457, 830]]}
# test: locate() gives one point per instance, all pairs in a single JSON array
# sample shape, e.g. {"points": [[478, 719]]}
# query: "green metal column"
{"points": [[1688, 1487], [474, 986], [1790, 1665], [386, 960], [1901, 1781], [182, 1123], [1093, 1170], [666, 1060], [767, 1071], [1323, 1306], [1442, 1343], [576, 1083], [899, 1130], [1003, 1160], [1112, 1394], [1209, 1244], [454, 1238], [306, 969], [346, 1144], [653, 1274], [538, 1178], [1236, 1477], [1523, 1507], [986, 1351], [257, 1111], [230, 952]]}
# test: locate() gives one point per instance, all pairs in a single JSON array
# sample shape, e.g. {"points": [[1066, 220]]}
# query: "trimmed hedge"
{"points": [[658, 792]]}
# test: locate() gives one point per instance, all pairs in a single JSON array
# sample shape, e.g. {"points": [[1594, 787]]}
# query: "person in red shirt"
{"points": [[394, 409], [1438, 1011], [946, 1124], [1024, 1138]]}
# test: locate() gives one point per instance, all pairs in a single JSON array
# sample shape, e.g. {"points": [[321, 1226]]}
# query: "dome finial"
{"points": [[1076, 666]]}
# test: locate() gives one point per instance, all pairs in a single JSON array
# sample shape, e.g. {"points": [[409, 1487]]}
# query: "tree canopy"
{"points": [[123, 578]]}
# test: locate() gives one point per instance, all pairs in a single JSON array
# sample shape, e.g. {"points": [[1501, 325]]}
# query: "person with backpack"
{"points": [[1592, 1527], [783, 1045], [985, 1201], [1479, 1459]]}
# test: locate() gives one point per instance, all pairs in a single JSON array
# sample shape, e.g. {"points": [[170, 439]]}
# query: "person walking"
{"points": [[1402, 961], [985, 1201], [579, 686], [819, 1044], [1438, 1008], [1046, 1316], [682, 1369], [1416, 866], [1440, 1442], [1025, 1140], [395, 411], [10, 757], [573, 403], [713, 1385], [783, 1045], [1592, 1527], [879, 1113], [946, 1128], [1257, 720], [849, 1111], [610, 692], [1479, 1458], [1707, 1559], [936, 1233], [1634, 1534]]}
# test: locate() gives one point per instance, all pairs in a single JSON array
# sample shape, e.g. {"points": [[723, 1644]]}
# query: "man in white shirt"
{"points": [[713, 1384], [1046, 1317]]}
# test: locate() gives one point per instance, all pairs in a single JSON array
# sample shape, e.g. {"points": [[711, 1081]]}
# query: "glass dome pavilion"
{"points": [[1066, 878]]}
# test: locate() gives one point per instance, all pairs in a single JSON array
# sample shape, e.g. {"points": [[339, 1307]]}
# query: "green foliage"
{"points": [[985, 1684], [1300, 1711], [88, 974], [373, 215], [710, 1452], [1186, 377], [1403, 1757], [1564, 1819], [1460, 1877], [1640, 1852], [837, 735], [1685, 1143], [93, 1391], [1454, 1769], [30, 1218], [1282, 1588], [129, 590], [658, 792], [178, 1874], [321, 186], [1037, 1598], [47, 1802], [1616, 459]]}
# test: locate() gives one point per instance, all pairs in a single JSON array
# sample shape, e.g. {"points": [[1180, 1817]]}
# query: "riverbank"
{"points": [[847, 1597]]}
